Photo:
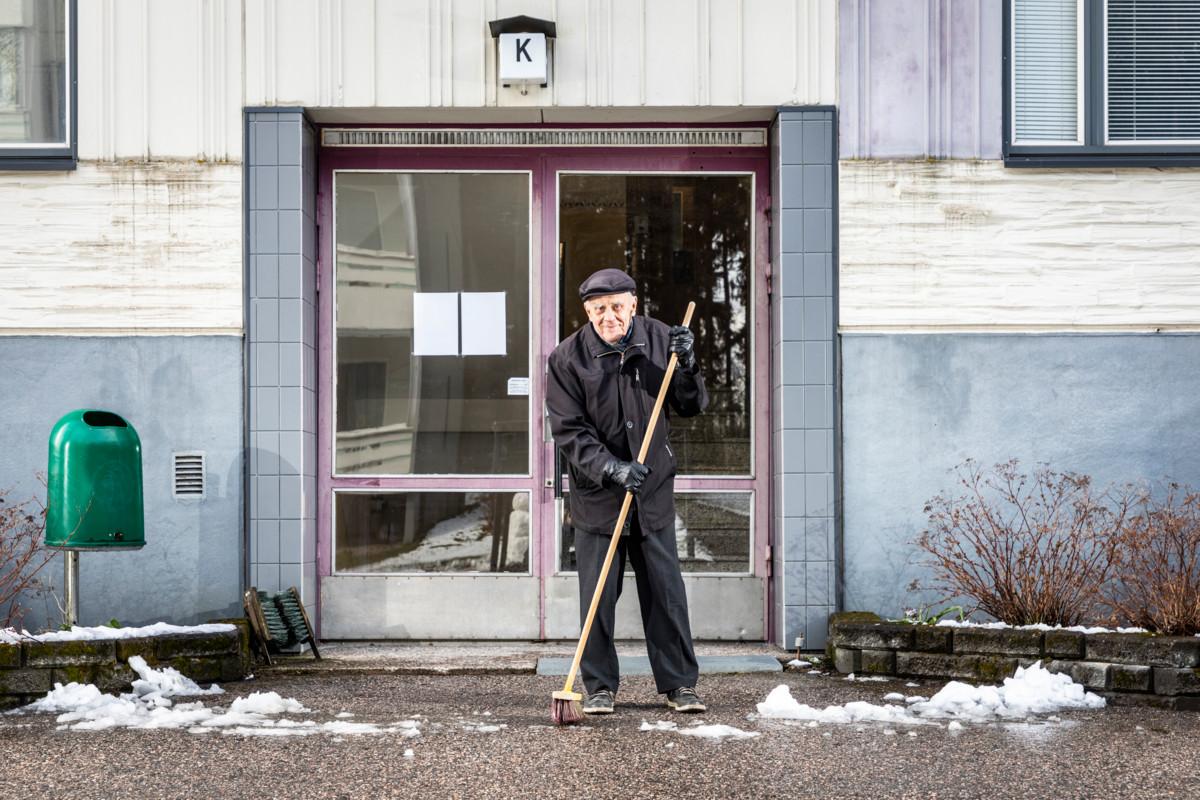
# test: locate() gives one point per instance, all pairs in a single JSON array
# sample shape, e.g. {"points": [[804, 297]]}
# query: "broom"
{"points": [[565, 707]]}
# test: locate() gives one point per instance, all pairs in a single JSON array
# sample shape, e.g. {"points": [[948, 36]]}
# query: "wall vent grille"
{"points": [[189, 475], [544, 137]]}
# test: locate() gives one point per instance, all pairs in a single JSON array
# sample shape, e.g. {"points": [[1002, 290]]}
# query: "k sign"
{"points": [[523, 58]]}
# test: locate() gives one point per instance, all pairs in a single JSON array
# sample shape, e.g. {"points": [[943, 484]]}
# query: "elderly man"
{"points": [[603, 381]]}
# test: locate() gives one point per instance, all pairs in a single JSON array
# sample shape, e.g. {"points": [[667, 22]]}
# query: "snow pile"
{"points": [[166, 682], [1040, 626], [1033, 690], [76, 634], [700, 731], [799, 663], [83, 707], [266, 703]]}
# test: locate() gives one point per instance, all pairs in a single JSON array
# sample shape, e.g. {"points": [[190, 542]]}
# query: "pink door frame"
{"points": [[544, 165]]}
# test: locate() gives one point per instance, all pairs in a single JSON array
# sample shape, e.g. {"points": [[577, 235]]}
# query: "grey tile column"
{"points": [[280, 163], [804, 359]]}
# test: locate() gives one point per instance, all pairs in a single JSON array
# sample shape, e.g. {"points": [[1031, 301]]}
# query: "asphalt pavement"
{"points": [[489, 736]]}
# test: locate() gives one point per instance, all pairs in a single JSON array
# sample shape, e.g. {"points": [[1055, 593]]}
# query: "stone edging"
{"points": [[1166, 667], [30, 669]]}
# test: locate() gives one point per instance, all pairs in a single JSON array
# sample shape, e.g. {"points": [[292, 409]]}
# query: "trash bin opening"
{"points": [[104, 419]]}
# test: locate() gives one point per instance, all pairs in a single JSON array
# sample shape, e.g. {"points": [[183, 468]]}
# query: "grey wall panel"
{"points": [[181, 393], [920, 78], [281, 271], [804, 386], [1117, 407]]}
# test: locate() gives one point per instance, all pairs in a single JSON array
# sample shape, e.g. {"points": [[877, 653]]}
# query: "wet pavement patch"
{"points": [[709, 665]]}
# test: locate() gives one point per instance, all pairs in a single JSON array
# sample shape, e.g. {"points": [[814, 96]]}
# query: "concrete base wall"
{"points": [[180, 393], [1117, 407]]}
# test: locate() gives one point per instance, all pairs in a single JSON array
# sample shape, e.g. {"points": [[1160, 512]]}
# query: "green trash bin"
{"points": [[94, 488]]}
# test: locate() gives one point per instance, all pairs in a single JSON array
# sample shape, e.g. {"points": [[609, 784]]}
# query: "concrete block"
{"points": [[196, 644], [878, 662], [931, 639], [112, 677], [847, 660], [1063, 644], [1005, 641], [25, 681], [144, 647], [874, 636], [991, 669], [67, 654], [1173, 681], [1129, 678], [1092, 674], [10, 655], [1180, 652]]}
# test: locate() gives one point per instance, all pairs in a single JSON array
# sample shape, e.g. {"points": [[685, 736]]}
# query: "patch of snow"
{"points": [[953, 623], [150, 706], [343, 715], [912, 685], [894, 696], [867, 678], [954, 726], [165, 682], [661, 725], [717, 732], [916, 698], [799, 664], [103, 632], [266, 703], [1033, 690], [408, 753]]}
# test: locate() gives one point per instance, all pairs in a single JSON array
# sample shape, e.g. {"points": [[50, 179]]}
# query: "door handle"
{"points": [[557, 479]]}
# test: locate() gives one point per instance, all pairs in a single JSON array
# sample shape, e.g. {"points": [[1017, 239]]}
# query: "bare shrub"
{"points": [[22, 555], [1156, 583], [1025, 549]]}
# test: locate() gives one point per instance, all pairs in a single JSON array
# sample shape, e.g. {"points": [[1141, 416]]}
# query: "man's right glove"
{"points": [[629, 475]]}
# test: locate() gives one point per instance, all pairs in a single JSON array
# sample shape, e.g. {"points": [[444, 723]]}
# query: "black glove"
{"points": [[682, 344], [629, 475]]}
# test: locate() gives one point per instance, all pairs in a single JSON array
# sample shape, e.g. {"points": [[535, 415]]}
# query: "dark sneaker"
{"points": [[686, 700], [599, 702]]}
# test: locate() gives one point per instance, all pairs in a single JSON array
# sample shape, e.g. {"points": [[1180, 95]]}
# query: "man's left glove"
{"points": [[683, 342]]}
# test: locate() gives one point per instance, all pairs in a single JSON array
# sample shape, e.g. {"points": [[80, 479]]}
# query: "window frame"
{"points": [[1095, 151], [40, 156]]}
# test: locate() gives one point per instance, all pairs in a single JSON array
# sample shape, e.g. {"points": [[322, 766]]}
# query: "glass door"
{"points": [[683, 236], [431, 470]]}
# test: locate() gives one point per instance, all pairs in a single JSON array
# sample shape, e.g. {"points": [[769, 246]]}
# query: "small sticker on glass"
{"points": [[518, 386]]}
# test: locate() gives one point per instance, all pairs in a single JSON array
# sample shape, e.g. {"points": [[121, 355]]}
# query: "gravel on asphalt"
{"points": [[1116, 752]]}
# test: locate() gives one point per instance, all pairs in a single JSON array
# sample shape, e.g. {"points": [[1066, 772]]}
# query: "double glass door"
{"points": [[451, 278]]}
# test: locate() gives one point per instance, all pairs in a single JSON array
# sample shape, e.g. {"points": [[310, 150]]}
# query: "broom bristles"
{"points": [[565, 712]]}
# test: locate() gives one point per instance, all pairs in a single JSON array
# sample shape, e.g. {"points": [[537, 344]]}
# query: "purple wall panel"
{"points": [[920, 78]]}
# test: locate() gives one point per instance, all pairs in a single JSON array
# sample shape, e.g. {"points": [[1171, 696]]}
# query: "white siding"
{"points": [[122, 248], [609, 53], [970, 244], [160, 80]]}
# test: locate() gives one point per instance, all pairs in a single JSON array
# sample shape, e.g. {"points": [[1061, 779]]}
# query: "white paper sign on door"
{"points": [[435, 324], [483, 329]]}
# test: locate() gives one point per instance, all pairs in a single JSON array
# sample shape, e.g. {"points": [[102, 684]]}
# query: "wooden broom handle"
{"points": [[616, 536]]}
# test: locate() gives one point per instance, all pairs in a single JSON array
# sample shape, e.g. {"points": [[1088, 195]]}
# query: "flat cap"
{"points": [[606, 281]]}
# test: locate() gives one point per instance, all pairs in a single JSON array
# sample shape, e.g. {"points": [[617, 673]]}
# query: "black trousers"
{"points": [[663, 604]]}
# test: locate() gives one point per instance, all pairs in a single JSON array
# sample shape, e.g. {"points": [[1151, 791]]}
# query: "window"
{"points": [[1102, 82], [37, 84]]}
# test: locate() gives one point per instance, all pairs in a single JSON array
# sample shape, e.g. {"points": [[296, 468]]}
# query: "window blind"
{"points": [[1046, 70], [1153, 60]]}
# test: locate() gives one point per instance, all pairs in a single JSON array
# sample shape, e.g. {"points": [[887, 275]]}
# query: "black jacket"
{"points": [[599, 402]]}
